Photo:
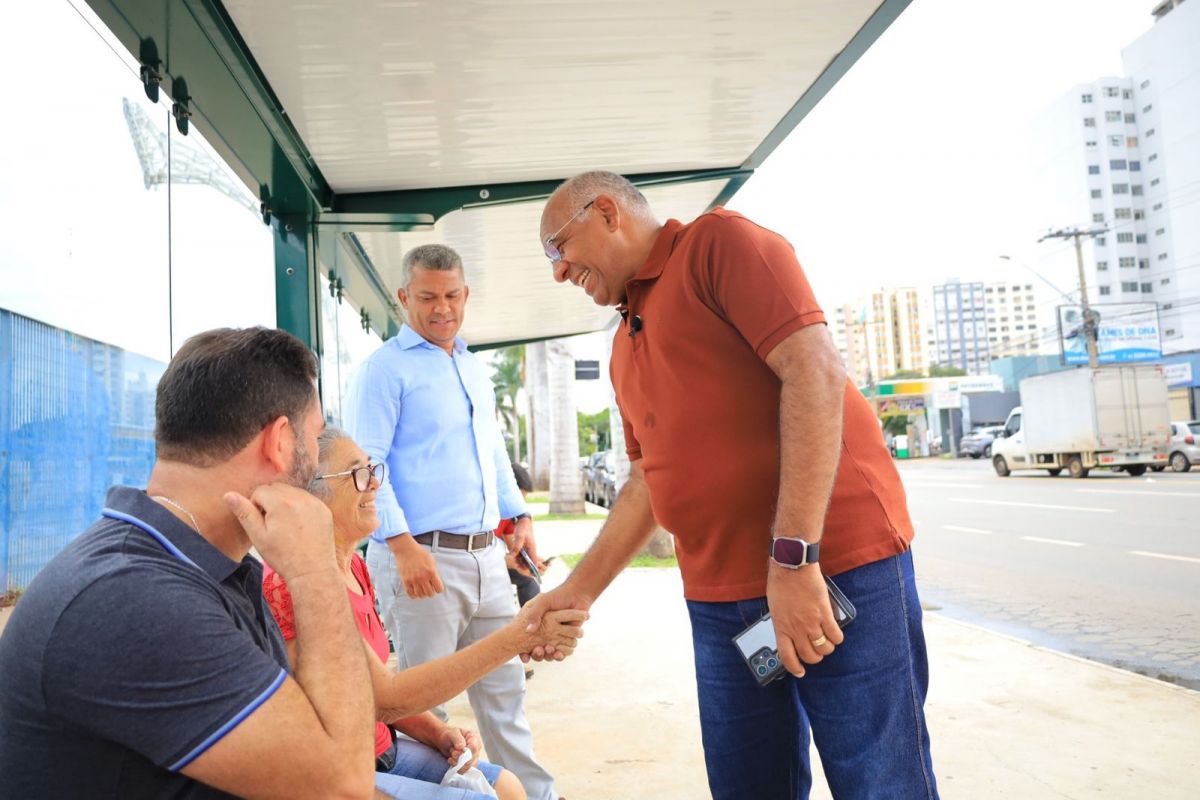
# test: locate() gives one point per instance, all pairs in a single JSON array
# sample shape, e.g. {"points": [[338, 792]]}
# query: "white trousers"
{"points": [[477, 600]]}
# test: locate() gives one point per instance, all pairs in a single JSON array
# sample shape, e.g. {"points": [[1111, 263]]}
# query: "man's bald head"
{"points": [[597, 230], [574, 193]]}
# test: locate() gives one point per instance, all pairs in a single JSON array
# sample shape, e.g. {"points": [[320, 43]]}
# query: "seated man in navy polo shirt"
{"points": [[142, 662]]}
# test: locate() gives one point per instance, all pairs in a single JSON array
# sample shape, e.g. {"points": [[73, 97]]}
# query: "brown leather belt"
{"points": [[471, 542]]}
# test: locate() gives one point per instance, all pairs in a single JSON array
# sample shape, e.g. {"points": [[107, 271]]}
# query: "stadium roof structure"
{"points": [[378, 125]]}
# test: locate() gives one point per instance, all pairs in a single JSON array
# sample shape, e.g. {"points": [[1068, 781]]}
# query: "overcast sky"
{"points": [[916, 166]]}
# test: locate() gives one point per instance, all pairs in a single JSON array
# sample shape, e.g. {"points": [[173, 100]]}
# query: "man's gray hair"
{"points": [[587, 186], [430, 256], [326, 439]]}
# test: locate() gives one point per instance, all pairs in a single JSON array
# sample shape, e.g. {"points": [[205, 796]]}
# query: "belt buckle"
{"points": [[471, 542]]}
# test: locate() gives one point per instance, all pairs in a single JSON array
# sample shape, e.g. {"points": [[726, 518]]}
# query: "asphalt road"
{"points": [[1106, 567]]}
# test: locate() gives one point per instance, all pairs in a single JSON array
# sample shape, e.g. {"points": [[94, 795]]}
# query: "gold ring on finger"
{"points": [[820, 640]]}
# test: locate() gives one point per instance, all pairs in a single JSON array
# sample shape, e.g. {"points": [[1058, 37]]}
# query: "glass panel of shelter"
{"points": [[84, 316]]}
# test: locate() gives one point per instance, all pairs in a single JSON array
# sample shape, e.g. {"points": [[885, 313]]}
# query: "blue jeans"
{"points": [[418, 772], [864, 703]]}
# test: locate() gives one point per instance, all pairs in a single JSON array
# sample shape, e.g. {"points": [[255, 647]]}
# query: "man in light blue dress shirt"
{"points": [[425, 404]]}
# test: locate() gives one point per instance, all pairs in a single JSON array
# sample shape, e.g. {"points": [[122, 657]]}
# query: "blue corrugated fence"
{"points": [[76, 416]]}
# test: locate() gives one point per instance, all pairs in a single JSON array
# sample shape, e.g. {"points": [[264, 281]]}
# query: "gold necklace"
{"points": [[160, 498]]}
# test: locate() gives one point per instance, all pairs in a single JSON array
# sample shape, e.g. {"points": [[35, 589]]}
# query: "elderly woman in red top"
{"points": [[414, 763]]}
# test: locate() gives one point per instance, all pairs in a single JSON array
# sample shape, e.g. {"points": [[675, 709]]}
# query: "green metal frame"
{"points": [[297, 308], [359, 280], [402, 208]]}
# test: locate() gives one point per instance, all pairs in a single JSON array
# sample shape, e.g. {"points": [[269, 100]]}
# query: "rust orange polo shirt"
{"points": [[701, 408]]}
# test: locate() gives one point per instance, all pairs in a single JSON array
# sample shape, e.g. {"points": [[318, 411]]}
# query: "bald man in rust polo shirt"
{"points": [[749, 443]]}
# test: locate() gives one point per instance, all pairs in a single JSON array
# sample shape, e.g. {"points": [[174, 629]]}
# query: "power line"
{"points": [[1090, 317]]}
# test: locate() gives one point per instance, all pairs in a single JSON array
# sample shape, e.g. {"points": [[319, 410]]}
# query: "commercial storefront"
{"points": [[1183, 385]]}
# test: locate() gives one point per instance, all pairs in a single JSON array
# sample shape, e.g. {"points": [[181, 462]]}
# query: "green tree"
{"points": [[946, 371], [904, 375], [508, 377], [597, 424]]}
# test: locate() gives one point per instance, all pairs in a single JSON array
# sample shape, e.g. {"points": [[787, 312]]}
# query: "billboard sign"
{"points": [[1178, 374], [901, 406], [587, 370], [1127, 332]]}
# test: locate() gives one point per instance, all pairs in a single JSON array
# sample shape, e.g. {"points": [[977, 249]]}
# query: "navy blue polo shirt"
{"points": [[132, 652]]}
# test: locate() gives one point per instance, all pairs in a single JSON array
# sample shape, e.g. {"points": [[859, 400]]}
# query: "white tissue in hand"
{"points": [[472, 779]]}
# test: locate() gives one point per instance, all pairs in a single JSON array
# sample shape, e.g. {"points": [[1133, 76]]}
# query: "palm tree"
{"points": [[508, 376], [566, 481], [539, 426]]}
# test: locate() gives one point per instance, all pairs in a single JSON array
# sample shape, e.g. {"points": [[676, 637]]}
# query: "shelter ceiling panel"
{"points": [[433, 93], [513, 296]]}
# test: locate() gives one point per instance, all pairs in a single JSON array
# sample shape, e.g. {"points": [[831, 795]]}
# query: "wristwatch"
{"points": [[521, 516], [794, 553]]}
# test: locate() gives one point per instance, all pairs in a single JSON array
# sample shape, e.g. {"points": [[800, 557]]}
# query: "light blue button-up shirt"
{"points": [[432, 417]]}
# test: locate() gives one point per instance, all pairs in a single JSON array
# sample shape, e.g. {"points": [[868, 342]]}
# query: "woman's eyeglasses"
{"points": [[362, 475]]}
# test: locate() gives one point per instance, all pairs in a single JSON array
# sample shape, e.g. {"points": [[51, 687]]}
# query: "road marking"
{"points": [[934, 476], [1032, 505], [1063, 542], [964, 530], [1193, 495], [924, 485], [1164, 555]]}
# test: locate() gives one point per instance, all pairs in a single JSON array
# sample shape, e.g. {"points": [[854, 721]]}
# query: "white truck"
{"points": [[1080, 419]]}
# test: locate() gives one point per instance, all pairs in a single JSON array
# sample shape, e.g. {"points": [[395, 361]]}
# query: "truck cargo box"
{"points": [[1120, 407]]}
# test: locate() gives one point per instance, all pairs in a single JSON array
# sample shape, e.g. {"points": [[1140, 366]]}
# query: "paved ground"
{"points": [[1007, 719], [1106, 568]]}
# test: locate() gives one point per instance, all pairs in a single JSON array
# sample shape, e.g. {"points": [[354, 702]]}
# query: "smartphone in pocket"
{"points": [[759, 648]]}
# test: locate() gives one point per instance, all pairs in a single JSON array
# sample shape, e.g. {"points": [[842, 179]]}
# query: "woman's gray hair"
{"points": [[429, 256], [326, 439], [587, 186]]}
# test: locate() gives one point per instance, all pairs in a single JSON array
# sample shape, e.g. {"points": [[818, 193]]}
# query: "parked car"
{"points": [[1185, 445], [604, 480], [600, 478], [979, 442], [591, 465]]}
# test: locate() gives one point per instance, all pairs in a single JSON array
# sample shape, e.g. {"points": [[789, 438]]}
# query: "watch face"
{"points": [[789, 551]]}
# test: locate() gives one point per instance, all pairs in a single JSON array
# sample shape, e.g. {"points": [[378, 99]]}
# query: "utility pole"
{"points": [[1090, 317]]}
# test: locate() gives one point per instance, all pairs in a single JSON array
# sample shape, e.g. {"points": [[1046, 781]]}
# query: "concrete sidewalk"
{"points": [[1007, 719]]}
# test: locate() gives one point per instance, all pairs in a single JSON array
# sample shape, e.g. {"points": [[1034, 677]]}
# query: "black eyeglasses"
{"points": [[362, 475], [552, 251]]}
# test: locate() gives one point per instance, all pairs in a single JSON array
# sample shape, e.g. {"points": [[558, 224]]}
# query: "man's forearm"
{"points": [[810, 444], [626, 531], [330, 665]]}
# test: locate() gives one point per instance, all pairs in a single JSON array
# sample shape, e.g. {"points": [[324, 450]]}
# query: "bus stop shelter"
{"points": [[336, 136], [365, 128]]}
